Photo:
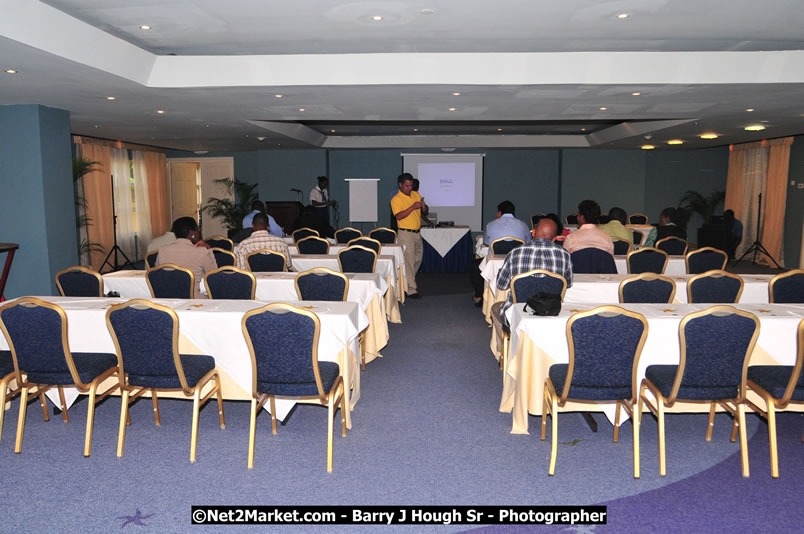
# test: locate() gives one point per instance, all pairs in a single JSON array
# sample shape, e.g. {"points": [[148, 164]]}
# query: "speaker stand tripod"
{"points": [[757, 247], [115, 249]]}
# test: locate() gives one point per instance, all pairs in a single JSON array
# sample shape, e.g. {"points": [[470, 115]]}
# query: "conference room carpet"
{"points": [[427, 431]]}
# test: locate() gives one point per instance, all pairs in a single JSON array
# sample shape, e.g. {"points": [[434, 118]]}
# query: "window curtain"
{"points": [[98, 196], [123, 203], [158, 192], [141, 202], [755, 173]]}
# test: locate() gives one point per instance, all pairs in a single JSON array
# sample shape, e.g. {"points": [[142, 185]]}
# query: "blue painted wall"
{"points": [[611, 177], [37, 207], [794, 214]]}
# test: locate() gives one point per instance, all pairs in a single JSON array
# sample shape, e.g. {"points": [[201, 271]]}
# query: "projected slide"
{"points": [[447, 184]]}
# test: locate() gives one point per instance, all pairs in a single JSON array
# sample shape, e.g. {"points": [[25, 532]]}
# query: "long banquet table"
{"points": [[213, 327], [539, 342]]}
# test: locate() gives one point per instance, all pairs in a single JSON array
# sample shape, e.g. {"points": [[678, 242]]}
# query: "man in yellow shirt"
{"points": [[408, 207]]}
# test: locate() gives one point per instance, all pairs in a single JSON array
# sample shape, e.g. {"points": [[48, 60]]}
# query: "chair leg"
{"points": [[660, 418], [363, 351], [124, 420], [155, 401], [504, 355], [273, 414], [43, 405], [711, 426], [194, 432], [554, 444], [343, 411], [252, 429], [64, 414], [636, 422], [90, 417], [616, 437], [220, 402], [3, 390], [734, 427], [743, 439], [544, 413], [21, 419], [330, 424]]}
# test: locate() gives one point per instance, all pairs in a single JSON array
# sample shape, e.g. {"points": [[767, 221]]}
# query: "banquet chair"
{"points": [[621, 246], [504, 245], [36, 332], [604, 348], [593, 261], [638, 218], [224, 258], [169, 281], [714, 287], [674, 246], [283, 343], [778, 385], [571, 219], [321, 283], [344, 235], [357, 259], [716, 344], [638, 237], [535, 218], [384, 235], [367, 242], [150, 259], [79, 281], [266, 260], [7, 375], [229, 282], [647, 288], [646, 260], [219, 241], [303, 233], [313, 245], [146, 340], [705, 259], [787, 288]]}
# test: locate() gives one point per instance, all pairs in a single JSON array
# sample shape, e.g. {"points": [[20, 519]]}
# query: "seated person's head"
{"points": [[617, 214], [185, 228], [506, 206], [667, 216], [590, 211], [728, 217], [260, 222], [545, 229], [258, 206], [559, 225]]}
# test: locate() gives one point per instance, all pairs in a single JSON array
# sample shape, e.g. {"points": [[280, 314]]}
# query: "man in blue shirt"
{"points": [[506, 225], [258, 207]]}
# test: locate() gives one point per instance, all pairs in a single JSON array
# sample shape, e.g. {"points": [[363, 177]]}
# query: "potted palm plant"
{"points": [[81, 167], [234, 207], [705, 206]]}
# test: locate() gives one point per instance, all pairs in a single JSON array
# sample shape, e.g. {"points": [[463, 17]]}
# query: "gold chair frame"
{"points": [[344, 229], [705, 249], [353, 247], [352, 243], [311, 238], [314, 233], [222, 238], [715, 273], [155, 254], [170, 266], [540, 215], [670, 239], [506, 238], [7, 394], [566, 218], [384, 229], [772, 282], [735, 406], [131, 393], [229, 269], [83, 269], [649, 277], [268, 251], [773, 405], [552, 401], [329, 399], [642, 251], [318, 271], [232, 254], [39, 389], [630, 244], [638, 215]]}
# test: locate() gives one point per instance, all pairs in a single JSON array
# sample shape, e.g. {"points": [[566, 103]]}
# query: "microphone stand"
{"points": [[756, 246]]}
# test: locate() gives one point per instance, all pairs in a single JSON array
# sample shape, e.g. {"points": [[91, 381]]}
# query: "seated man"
{"points": [[735, 232], [588, 234], [505, 224], [616, 225], [258, 207], [260, 239], [183, 252], [667, 227]]}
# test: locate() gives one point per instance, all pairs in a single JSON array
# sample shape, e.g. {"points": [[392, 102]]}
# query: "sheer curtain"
{"points": [[755, 176], [123, 201], [158, 192], [98, 196], [774, 202], [142, 202]]}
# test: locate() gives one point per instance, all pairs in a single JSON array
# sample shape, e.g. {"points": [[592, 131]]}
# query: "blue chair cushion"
{"points": [[774, 380], [663, 376], [195, 367], [329, 373], [558, 374], [6, 364], [89, 365]]}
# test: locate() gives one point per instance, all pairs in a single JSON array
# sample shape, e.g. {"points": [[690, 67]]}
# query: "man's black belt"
{"points": [[414, 231]]}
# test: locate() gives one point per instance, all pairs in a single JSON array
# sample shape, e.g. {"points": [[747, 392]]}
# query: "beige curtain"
{"points": [[98, 195], [776, 197], [158, 192], [755, 175]]}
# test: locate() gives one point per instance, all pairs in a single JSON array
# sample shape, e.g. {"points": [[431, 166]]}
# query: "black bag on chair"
{"points": [[544, 304]]}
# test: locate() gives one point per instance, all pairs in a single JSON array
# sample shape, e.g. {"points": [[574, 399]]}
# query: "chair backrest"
{"points": [[384, 235], [535, 218], [302, 233], [283, 342], [224, 258], [593, 260], [146, 340], [714, 287], [313, 245], [169, 281], [674, 246], [79, 281], [229, 282], [571, 219], [604, 348], [638, 218], [646, 260], [344, 235], [638, 236], [36, 332], [504, 245], [266, 260], [321, 283], [787, 288], [537, 281], [705, 259], [367, 242], [150, 259], [621, 246], [715, 347], [219, 241], [357, 259], [647, 288]]}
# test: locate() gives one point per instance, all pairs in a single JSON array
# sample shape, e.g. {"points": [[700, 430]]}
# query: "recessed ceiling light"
{"points": [[376, 18], [145, 27], [456, 93], [332, 131], [675, 142], [603, 108], [636, 94], [754, 128], [750, 109], [160, 111], [452, 109], [111, 98], [415, 129], [301, 109], [427, 11], [583, 129], [622, 16], [11, 71], [499, 129], [647, 147], [278, 96], [708, 136]]}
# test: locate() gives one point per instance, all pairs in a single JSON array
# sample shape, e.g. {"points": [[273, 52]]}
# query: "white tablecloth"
{"points": [[539, 342], [443, 239], [213, 327], [386, 250]]}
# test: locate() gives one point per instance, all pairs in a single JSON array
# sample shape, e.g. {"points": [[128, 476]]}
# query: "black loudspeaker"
{"points": [[714, 235]]}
